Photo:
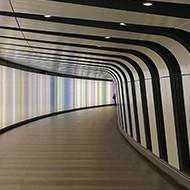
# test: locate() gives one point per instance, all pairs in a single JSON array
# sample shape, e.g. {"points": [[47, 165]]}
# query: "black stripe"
{"points": [[180, 121], [122, 105], [144, 101], [157, 103], [129, 108], [181, 36], [147, 29], [159, 8], [134, 103], [119, 105], [178, 105]]}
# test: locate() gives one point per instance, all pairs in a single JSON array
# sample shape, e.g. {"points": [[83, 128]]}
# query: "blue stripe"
{"points": [[67, 93], [52, 93]]}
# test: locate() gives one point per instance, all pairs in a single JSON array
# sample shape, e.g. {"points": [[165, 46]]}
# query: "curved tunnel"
{"points": [[143, 50]]}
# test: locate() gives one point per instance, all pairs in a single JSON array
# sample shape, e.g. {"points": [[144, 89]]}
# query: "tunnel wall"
{"points": [[164, 128], [25, 95], [168, 116]]}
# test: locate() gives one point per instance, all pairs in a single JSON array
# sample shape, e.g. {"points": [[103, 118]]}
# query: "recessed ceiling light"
{"points": [[47, 16], [122, 24], [107, 37], [147, 4]]}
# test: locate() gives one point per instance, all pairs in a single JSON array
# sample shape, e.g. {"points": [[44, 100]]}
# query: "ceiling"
{"points": [[72, 40]]}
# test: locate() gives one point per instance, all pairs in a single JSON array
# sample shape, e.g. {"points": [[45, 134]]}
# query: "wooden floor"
{"points": [[80, 150]]}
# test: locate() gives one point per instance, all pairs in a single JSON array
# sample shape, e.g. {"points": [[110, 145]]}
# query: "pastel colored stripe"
{"points": [[24, 95]]}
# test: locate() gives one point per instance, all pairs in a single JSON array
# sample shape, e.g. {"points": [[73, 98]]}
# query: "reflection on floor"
{"points": [[80, 150]]}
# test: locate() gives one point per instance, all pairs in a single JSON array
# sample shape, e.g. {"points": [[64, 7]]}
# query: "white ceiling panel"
{"points": [[185, 26], [5, 6], [10, 33], [80, 50], [42, 7], [54, 66], [15, 51], [174, 1], [64, 54], [8, 21], [12, 42], [66, 28], [72, 40]]}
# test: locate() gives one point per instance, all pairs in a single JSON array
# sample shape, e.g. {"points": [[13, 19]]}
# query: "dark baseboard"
{"points": [[48, 115], [179, 177]]}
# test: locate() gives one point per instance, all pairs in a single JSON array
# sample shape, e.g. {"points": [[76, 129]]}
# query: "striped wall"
{"points": [[164, 127], [24, 95]]}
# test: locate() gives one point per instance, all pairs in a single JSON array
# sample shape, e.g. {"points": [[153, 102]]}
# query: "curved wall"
{"points": [[25, 95], [147, 55], [162, 105]]}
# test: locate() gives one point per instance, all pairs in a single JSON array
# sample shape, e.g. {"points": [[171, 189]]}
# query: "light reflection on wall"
{"points": [[24, 95]]}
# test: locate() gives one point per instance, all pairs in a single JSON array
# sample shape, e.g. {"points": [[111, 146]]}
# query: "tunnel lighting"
{"points": [[47, 16], [107, 37], [147, 4], [122, 24]]}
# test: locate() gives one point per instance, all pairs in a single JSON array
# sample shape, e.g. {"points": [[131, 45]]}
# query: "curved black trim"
{"points": [[128, 106], [179, 35], [123, 100], [178, 104], [158, 8], [118, 98], [152, 45], [134, 103], [183, 37], [123, 115], [144, 101], [157, 102], [180, 121], [129, 110]]}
